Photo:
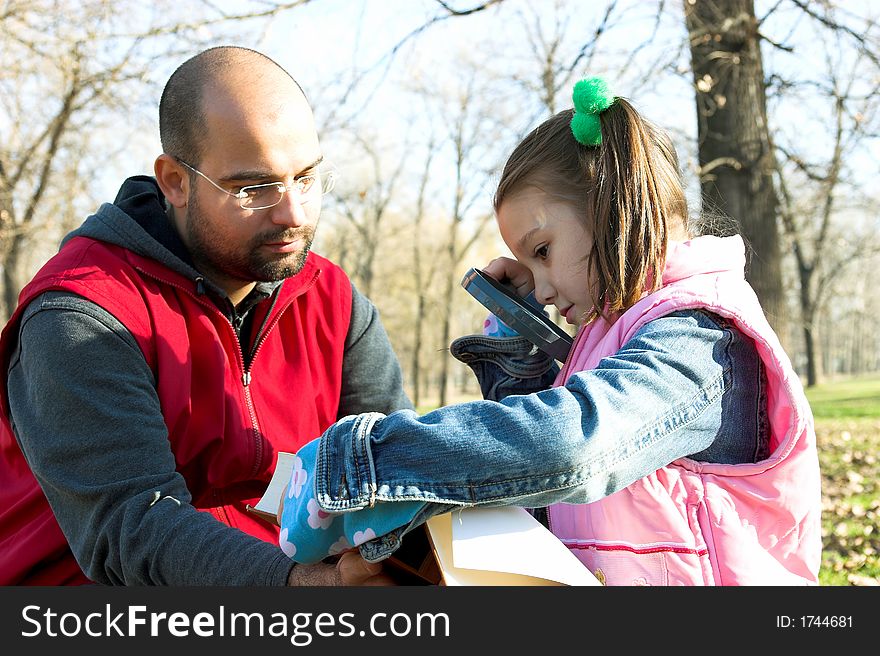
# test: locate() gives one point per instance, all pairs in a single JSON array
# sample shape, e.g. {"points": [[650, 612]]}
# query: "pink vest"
{"points": [[697, 523]]}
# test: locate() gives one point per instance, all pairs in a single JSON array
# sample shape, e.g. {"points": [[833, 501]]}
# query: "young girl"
{"points": [[675, 445]]}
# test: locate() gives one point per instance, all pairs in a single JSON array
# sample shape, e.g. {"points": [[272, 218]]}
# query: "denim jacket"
{"points": [[576, 443]]}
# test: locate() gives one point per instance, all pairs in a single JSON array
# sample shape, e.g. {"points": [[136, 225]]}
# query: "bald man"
{"points": [[181, 337]]}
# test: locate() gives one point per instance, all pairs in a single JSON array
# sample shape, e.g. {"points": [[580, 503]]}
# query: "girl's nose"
{"points": [[544, 292]]}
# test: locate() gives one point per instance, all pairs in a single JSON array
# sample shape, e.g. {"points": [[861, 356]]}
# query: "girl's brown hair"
{"points": [[628, 190]]}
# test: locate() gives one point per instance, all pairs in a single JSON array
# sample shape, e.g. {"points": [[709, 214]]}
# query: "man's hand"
{"points": [[354, 570], [350, 569]]}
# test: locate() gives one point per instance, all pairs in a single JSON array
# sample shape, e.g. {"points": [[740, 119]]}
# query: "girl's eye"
{"points": [[541, 252]]}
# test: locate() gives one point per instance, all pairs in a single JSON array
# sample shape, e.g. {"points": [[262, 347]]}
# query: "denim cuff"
{"points": [[345, 476], [505, 365], [516, 356]]}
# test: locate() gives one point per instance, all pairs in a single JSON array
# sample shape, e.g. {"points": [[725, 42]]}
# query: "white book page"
{"points": [[509, 539], [271, 498]]}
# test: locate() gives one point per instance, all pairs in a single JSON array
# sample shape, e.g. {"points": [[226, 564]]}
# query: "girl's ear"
{"points": [[173, 180]]}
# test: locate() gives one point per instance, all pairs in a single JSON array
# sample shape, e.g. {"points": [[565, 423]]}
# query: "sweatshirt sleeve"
{"points": [[372, 379], [87, 417]]}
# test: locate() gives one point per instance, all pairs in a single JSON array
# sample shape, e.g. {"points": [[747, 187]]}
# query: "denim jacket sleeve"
{"points": [[657, 399]]}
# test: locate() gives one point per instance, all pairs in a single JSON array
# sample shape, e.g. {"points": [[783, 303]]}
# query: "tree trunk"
{"points": [[736, 158], [810, 347], [446, 330], [11, 283], [858, 359], [416, 364], [809, 314], [9, 295]]}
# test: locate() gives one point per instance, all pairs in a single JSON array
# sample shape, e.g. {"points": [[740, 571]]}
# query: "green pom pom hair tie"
{"points": [[591, 97]]}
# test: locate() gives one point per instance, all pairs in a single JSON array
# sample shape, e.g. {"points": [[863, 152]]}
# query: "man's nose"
{"points": [[290, 210]]}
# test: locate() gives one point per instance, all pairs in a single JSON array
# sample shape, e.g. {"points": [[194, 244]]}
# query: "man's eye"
{"points": [[305, 182], [541, 251], [254, 190]]}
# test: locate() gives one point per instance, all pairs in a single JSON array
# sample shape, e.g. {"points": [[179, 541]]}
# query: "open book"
{"points": [[471, 546]]}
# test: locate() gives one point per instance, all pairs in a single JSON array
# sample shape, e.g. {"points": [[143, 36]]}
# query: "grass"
{"points": [[857, 398], [847, 417]]}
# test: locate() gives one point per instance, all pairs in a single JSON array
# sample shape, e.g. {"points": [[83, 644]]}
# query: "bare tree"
{"points": [[737, 162], [468, 119], [366, 207], [551, 67], [424, 271], [822, 251], [40, 138]]}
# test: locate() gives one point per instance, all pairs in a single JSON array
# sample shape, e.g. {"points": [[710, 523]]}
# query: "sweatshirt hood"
{"points": [[137, 220]]}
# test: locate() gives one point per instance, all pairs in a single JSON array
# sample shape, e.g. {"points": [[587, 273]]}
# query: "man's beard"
{"points": [[270, 268], [249, 263]]}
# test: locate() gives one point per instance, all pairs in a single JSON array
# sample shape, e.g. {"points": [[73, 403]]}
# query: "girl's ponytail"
{"points": [[637, 196]]}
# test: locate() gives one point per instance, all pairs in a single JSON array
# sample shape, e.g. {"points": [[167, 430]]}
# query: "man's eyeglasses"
{"points": [[264, 196]]}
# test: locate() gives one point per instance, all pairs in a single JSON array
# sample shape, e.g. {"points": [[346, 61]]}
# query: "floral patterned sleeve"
{"points": [[310, 534]]}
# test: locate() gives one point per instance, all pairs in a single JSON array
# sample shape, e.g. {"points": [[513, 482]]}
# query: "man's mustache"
{"points": [[305, 233]]}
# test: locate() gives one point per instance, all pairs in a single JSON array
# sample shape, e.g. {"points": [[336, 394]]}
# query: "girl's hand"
{"points": [[511, 272]]}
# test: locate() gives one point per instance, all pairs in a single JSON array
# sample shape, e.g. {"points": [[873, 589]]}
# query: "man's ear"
{"points": [[173, 180]]}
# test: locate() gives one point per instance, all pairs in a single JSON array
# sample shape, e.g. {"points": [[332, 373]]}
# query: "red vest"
{"points": [[225, 424]]}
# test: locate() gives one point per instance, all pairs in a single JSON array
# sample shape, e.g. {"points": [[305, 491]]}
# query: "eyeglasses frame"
{"points": [[297, 183]]}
